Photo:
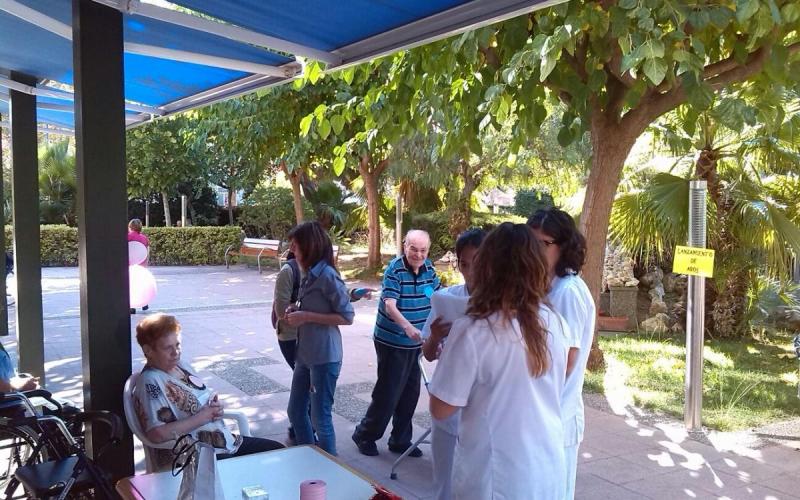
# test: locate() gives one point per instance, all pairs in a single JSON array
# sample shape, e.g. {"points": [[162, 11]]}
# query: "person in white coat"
{"points": [[504, 367], [565, 250], [444, 433]]}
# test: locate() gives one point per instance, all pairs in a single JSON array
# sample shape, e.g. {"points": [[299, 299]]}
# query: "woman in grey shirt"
{"points": [[323, 304]]}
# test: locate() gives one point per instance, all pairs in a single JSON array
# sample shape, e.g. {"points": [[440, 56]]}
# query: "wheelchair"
{"points": [[44, 453]]}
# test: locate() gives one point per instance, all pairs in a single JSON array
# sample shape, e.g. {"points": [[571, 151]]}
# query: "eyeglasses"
{"points": [[184, 452]]}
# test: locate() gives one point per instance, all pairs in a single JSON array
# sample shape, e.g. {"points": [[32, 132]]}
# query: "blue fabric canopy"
{"points": [[350, 30]]}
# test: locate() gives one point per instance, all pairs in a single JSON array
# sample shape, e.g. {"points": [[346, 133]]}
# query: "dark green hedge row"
{"points": [[436, 224], [172, 246]]}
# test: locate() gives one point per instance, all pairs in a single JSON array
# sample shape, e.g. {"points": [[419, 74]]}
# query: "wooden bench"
{"points": [[254, 247], [282, 257]]}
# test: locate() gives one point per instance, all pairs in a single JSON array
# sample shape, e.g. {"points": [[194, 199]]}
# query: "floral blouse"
{"points": [[161, 398]]}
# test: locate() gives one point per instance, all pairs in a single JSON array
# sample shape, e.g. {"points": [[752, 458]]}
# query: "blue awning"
{"points": [[171, 67]]}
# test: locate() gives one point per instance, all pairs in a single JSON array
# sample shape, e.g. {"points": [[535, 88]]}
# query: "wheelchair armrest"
{"points": [[241, 421], [46, 395]]}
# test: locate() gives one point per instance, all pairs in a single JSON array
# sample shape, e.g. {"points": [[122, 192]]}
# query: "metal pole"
{"points": [[146, 213], [183, 210], [695, 313], [3, 300], [398, 222]]}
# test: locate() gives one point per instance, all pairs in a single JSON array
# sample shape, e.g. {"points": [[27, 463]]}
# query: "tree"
{"points": [[616, 65], [359, 127], [57, 183], [159, 159], [749, 230]]}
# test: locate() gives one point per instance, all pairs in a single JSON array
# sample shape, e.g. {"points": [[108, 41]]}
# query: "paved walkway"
{"points": [[227, 337]]}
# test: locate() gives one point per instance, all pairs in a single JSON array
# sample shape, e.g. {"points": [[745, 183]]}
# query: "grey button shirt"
{"points": [[322, 291]]}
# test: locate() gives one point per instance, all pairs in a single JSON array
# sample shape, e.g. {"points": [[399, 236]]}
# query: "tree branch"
{"points": [[737, 73], [579, 70], [615, 63]]}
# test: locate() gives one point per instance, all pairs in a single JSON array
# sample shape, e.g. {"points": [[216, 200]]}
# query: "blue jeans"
{"points": [[323, 380]]}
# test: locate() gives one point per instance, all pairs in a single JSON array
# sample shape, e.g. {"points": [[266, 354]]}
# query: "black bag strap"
{"points": [[295, 279]]}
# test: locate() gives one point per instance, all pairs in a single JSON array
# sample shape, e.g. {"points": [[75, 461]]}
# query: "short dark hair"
{"points": [[560, 226], [469, 238], [314, 243]]}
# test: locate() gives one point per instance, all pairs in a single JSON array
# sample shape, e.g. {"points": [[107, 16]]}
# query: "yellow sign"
{"points": [[694, 261]]}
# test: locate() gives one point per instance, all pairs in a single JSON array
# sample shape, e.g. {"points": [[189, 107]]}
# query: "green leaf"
{"points": [[313, 72], [348, 74], [628, 4], [655, 70], [745, 9], [305, 125], [324, 128], [337, 122], [549, 61], [790, 12], [338, 165]]}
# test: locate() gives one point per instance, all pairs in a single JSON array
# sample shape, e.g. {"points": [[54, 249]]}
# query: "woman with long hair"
{"points": [[323, 304], [565, 251], [504, 365]]}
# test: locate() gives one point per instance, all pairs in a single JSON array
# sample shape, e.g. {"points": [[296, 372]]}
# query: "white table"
{"points": [[280, 472]]}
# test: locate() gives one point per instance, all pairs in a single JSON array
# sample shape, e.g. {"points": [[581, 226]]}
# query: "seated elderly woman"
{"points": [[171, 401]]}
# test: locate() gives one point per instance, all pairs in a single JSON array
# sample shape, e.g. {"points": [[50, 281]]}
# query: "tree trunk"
{"points": [[192, 211], [371, 176], [611, 144], [461, 213], [295, 176], [167, 216], [231, 194]]}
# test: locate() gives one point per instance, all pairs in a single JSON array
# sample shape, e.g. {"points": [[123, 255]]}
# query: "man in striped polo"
{"points": [[408, 283]]}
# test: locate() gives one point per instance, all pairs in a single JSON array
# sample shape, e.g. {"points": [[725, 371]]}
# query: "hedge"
{"points": [[437, 225], [171, 246]]}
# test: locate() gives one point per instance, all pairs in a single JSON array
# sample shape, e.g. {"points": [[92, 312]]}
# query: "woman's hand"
{"points": [[297, 318], [440, 329], [212, 411]]}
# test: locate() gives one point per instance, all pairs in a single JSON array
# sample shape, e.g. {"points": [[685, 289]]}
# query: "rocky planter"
{"points": [[623, 303]]}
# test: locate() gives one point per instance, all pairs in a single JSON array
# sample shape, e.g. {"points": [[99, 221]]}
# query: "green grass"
{"points": [[746, 383]]}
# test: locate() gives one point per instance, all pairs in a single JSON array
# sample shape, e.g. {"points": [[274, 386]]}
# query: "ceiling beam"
{"points": [[68, 96], [229, 31], [63, 30]]}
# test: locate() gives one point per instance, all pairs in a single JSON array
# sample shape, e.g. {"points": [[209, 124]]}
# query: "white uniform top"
{"points": [[456, 290], [571, 298], [511, 439]]}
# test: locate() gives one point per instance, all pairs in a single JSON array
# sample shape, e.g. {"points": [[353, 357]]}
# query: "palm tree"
{"points": [[57, 183], [752, 230]]}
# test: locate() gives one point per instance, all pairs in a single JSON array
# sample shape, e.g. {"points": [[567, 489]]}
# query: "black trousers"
{"points": [[252, 445], [394, 397], [288, 349]]}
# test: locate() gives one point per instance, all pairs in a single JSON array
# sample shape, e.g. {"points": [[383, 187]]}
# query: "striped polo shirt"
{"points": [[412, 293]]}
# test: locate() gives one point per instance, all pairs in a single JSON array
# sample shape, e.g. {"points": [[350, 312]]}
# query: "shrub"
{"points": [[528, 201], [181, 246], [269, 213], [168, 245], [437, 225]]}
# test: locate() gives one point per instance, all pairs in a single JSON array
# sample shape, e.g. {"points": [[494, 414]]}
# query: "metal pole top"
{"points": [[698, 184]]}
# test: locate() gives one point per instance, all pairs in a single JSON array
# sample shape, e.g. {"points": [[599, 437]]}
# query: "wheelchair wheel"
{"points": [[17, 448]]}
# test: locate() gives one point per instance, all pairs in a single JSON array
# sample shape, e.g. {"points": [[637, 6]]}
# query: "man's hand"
{"points": [[412, 332], [439, 330]]}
